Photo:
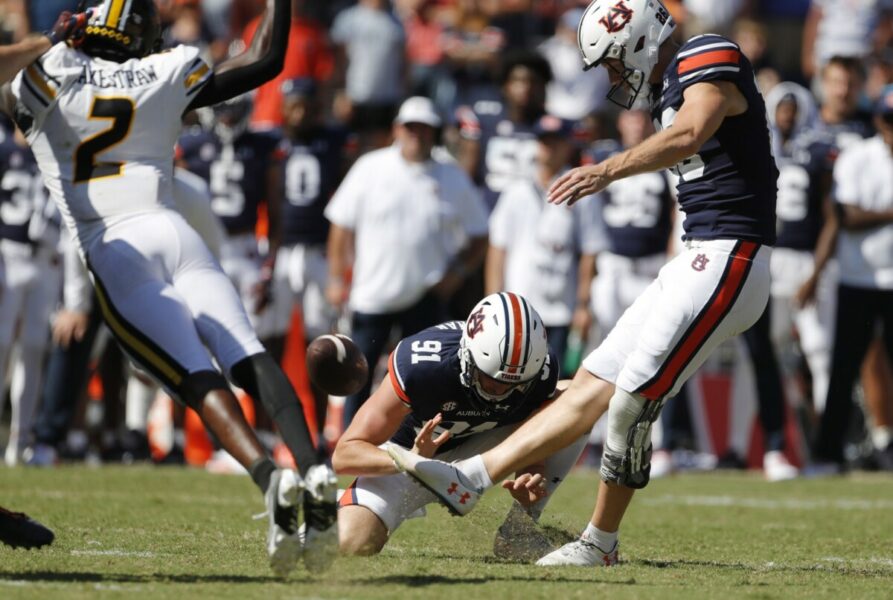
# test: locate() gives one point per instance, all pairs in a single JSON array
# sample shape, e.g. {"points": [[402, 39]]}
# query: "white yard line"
{"points": [[126, 553], [763, 503]]}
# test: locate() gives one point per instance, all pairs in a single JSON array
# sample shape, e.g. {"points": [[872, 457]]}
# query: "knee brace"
{"points": [[196, 386], [626, 459]]}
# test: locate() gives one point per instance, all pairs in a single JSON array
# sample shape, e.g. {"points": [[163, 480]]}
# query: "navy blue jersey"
{"points": [[805, 164], [312, 170], [21, 189], [727, 190], [507, 148], [424, 370], [236, 173], [636, 211]]}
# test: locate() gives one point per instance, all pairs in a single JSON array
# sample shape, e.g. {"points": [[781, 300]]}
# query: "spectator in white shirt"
{"points": [[542, 251], [415, 225]]}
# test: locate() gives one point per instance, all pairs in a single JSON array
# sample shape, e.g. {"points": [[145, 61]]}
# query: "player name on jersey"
{"points": [[118, 78]]}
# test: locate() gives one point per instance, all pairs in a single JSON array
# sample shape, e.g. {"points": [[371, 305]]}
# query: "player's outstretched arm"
{"points": [[358, 452], [261, 62], [705, 106], [15, 57]]}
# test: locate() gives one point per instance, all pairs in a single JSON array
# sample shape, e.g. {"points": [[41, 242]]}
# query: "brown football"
{"points": [[336, 366]]}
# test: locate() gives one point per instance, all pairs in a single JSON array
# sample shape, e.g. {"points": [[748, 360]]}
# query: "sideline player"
{"points": [[716, 135], [452, 391], [103, 121]]}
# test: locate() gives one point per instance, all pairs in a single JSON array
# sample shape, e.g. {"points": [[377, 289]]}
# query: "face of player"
{"points": [[416, 141], [786, 117], [840, 89], [494, 387], [297, 112], [525, 90], [634, 126]]}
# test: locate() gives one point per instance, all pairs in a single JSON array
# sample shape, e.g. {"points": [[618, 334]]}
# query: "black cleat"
{"points": [[18, 530]]}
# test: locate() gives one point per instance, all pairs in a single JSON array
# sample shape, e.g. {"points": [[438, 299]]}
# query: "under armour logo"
{"points": [[452, 489], [464, 497], [617, 18], [700, 262], [475, 323]]}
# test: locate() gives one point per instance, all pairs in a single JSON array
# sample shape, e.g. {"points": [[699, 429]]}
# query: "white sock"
{"points": [[881, 437], [602, 540], [476, 471]]}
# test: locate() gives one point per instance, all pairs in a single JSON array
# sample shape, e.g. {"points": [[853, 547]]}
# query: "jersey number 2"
{"points": [[120, 112]]}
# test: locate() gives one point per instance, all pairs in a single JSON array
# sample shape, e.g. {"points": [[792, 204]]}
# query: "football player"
{"points": [[803, 290], [314, 162], [29, 236], [102, 121], [715, 137], [452, 391], [497, 142]]}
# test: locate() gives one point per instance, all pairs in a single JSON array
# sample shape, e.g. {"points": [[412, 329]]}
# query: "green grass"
{"points": [[145, 532]]}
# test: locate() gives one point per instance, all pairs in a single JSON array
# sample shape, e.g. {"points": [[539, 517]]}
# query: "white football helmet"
{"points": [[504, 339], [630, 31]]}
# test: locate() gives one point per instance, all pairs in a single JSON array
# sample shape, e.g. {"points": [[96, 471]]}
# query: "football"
{"points": [[336, 366]]}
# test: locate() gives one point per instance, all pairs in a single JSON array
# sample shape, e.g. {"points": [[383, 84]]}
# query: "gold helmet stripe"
{"points": [[115, 10]]}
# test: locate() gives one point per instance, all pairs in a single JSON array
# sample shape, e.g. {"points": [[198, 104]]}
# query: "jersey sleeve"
{"points": [[342, 210], [708, 58], [397, 367], [187, 74], [36, 86], [472, 210]]}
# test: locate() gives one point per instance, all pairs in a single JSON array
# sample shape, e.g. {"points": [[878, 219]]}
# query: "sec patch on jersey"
{"points": [[336, 365]]}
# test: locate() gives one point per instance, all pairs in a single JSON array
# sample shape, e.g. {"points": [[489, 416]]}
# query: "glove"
{"points": [[70, 28]]}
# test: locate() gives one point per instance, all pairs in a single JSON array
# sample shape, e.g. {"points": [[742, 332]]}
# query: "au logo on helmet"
{"points": [[475, 323], [617, 18]]}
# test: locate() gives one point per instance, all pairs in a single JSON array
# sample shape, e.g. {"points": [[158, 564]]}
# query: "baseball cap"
{"points": [[418, 109], [549, 125], [884, 104], [303, 87]]}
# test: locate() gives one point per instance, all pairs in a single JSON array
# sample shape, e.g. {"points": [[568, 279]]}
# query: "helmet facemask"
{"points": [[470, 376]]}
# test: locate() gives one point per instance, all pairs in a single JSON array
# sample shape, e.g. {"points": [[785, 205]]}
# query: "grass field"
{"points": [[146, 532]]}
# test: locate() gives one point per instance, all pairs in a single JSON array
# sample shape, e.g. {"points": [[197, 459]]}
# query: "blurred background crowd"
{"points": [[394, 173]]}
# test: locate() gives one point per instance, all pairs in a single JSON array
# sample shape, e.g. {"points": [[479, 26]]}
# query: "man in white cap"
{"points": [[415, 225]]}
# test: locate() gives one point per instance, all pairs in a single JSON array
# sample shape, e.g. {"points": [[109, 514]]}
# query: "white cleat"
{"points": [[580, 553], [320, 518], [444, 480], [777, 468], [282, 499], [519, 538]]}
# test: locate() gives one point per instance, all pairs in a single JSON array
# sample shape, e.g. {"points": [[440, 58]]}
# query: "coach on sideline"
{"points": [[415, 226]]}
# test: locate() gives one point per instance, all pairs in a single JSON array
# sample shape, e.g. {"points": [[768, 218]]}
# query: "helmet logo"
{"points": [[475, 323], [617, 18]]}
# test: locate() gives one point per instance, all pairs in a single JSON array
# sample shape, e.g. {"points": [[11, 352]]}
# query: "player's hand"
{"points": [[425, 444], [527, 487], [578, 183], [69, 326], [807, 292], [70, 27]]}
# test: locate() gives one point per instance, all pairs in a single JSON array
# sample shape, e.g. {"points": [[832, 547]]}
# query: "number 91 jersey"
{"points": [[424, 370], [104, 132]]}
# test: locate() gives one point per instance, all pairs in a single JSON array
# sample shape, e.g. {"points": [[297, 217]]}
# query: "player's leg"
{"points": [[18, 530], [854, 329], [12, 305]]}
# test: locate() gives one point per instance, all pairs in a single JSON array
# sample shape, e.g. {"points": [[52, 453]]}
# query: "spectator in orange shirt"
{"points": [[309, 55]]}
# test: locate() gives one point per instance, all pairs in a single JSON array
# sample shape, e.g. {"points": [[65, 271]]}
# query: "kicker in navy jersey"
{"points": [[425, 371], [728, 189]]}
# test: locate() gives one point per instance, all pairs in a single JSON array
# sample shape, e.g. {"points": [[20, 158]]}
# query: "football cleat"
{"points": [[18, 530], [519, 538], [282, 499], [320, 518], [444, 480], [580, 553], [777, 468]]}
